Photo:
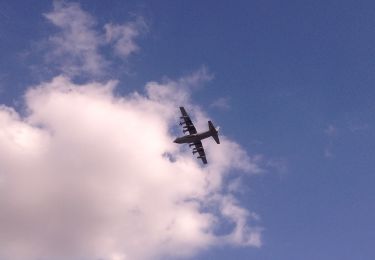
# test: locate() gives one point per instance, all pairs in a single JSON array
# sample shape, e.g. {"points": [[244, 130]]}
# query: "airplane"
{"points": [[194, 138]]}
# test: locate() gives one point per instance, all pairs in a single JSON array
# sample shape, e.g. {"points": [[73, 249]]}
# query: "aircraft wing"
{"points": [[199, 149], [188, 124]]}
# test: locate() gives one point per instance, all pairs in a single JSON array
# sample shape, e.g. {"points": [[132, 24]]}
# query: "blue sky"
{"points": [[292, 81]]}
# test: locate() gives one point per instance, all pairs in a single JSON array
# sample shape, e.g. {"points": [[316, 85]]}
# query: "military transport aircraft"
{"points": [[194, 138]]}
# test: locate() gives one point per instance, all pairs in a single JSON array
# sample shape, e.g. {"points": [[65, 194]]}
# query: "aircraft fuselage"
{"points": [[193, 138]]}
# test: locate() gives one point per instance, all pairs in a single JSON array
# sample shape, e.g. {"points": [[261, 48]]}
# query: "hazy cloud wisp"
{"points": [[76, 47], [123, 36]]}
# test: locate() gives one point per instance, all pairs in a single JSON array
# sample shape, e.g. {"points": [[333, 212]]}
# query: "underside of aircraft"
{"points": [[193, 138]]}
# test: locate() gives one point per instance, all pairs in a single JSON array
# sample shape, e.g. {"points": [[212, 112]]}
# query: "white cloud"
{"points": [[76, 48], [178, 91], [123, 36], [242, 233], [84, 176]]}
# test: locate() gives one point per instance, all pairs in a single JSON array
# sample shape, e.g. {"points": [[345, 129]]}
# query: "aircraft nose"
{"points": [[177, 140]]}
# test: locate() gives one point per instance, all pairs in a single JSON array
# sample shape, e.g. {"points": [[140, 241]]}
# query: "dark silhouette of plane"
{"points": [[193, 138]]}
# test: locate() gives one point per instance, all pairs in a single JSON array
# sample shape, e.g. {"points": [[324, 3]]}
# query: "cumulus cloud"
{"points": [[75, 48], [86, 174]]}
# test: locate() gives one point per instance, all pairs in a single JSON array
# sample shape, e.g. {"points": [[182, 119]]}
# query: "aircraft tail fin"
{"points": [[214, 132]]}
